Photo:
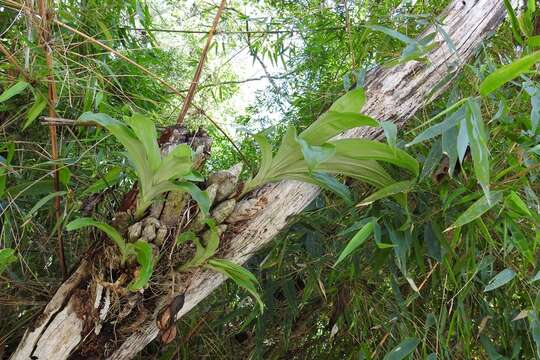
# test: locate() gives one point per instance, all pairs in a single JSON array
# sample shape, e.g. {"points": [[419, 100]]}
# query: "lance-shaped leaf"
{"points": [[479, 208], [13, 90], [478, 139], [358, 239], [111, 232]]}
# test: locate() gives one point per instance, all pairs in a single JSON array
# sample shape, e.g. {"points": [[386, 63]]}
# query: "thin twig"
{"points": [[198, 71], [10, 58], [45, 39]]}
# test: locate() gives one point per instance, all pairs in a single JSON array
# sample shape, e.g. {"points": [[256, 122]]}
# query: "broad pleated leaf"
{"points": [[332, 123], [111, 232], [352, 101], [145, 131]]}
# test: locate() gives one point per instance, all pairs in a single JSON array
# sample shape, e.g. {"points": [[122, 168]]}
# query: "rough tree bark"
{"points": [[394, 94]]}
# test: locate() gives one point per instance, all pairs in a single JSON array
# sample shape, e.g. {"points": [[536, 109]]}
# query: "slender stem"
{"points": [[198, 71], [52, 99]]}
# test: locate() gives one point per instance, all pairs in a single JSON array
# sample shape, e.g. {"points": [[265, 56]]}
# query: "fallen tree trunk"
{"points": [[393, 94]]}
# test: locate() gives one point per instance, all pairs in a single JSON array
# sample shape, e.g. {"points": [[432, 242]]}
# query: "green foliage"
{"points": [[156, 175], [508, 73], [355, 242], [16, 89], [140, 249], [305, 156], [239, 275], [500, 279], [7, 256]]}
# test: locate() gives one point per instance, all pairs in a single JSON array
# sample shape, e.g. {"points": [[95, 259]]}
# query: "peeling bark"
{"points": [[393, 94]]}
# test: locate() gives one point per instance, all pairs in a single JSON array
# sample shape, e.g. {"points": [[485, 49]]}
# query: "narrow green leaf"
{"points": [[438, 129], [478, 139], [393, 33], [390, 132], [13, 90], [508, 73], [355, 242], [38, 205], [37, 108], [241, 276], [500, 279], [479, 208], [329, 182], [396, 188], [405, 348], [514, 24], [110, 178], [514, 202]]}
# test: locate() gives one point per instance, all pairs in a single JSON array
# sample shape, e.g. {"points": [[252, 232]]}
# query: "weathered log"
{"points": [[394, 94]]}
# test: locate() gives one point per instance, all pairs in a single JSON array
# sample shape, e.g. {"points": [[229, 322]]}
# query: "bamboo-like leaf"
{"points": [[38, 205], [508, 73], [439, 128], [393, 33], [110, 178], [514, 24], [37, 108], [500, 279], [396, 188], [404, 349], [358, 239], [239, 275], [13, 90], [479, 208], [143, 254], [478, 139]]}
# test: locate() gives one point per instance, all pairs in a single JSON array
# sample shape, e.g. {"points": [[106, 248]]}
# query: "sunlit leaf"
{"points": [[479, 208], [508, 73], [13, 90]]}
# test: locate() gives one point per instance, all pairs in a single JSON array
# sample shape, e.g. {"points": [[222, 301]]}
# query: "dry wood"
{"points": [[394, 94]]}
